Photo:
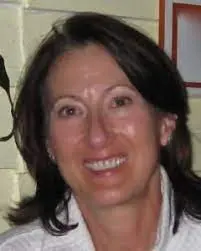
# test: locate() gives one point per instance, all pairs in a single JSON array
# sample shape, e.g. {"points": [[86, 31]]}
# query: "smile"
{"points": [[105, 164]]}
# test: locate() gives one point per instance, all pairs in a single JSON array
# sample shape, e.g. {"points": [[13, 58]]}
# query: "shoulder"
{"points": [[22, 238], [34, 237], [188, 237], [192, 230]]}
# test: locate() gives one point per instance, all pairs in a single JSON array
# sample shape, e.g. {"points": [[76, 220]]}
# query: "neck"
{"points": [[126, 226]]}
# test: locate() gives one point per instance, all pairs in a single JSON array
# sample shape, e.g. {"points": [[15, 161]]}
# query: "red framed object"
{"points": [[180, 37]]}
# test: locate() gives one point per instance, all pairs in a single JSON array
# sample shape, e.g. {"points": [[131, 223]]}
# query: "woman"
{"points": [[101, 122]]}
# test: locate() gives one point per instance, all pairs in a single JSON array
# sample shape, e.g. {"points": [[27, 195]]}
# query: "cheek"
{"points": [[136, 125], [64, 137], [126, 126], [128, 123]]}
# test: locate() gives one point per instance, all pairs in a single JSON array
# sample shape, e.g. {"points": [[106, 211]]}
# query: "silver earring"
{"points": [[169, 138], [50, 155]]}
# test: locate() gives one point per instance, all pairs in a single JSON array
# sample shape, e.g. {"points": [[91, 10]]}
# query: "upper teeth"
{"points": [[105, 164]]}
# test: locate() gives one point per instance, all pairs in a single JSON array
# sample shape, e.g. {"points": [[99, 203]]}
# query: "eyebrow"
{"points": [[62, 97], [77, 98]]}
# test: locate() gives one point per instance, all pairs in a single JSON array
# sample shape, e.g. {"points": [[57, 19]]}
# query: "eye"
{"points": [[121, 101], [69, 111]]}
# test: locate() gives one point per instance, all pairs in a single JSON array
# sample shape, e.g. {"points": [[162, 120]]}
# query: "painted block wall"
{"points": [[23, 24]]}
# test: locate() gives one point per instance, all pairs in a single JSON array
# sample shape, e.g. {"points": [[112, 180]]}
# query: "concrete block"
{"points": [[4, 225], [128, 8], [7, 186], [147, 27], [21, 166], [8, 155], [14, 75], [12, 1], [10, 25], [5, 113], [36, 26], [196, 139], [8, 150], [26, 185]]}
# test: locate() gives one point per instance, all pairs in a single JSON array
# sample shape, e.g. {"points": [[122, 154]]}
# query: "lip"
{"points": [[95, 159], [94, 167]]}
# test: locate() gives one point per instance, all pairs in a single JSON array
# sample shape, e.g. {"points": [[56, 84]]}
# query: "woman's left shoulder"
{"points": [[188, 236]]}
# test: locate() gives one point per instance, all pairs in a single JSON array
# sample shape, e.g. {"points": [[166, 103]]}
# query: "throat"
{"points": [[125, 227]]}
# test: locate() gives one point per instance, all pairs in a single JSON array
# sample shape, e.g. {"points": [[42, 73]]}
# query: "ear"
{"points": [[167, 126]]}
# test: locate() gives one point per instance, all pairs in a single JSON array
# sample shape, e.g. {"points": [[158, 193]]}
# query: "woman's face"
{"points": [[105, 137]]}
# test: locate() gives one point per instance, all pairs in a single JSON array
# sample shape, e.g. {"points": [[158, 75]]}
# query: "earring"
{"points": [[169, 139], [50, 154]]}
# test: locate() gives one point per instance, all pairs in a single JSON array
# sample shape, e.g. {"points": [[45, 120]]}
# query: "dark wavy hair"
{"points": [[153, 74]]}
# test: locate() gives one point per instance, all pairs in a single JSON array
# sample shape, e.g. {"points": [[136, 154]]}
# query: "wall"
{"points": [[22, 25]]}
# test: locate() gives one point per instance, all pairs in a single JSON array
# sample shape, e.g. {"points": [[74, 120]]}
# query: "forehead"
{"points": [[84, 67]]}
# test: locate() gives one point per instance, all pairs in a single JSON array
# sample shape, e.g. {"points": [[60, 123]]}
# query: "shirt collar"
{"points": [[165, 226], [80, 239]]}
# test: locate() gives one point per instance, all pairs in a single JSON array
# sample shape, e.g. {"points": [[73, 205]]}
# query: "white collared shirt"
{"points": [[32, 237]]}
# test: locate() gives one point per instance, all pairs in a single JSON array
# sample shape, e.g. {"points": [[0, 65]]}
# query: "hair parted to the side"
{"points": [[148, 69]]}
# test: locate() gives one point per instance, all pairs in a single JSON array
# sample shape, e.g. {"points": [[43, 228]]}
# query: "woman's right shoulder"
{"points": [[23, 238]]}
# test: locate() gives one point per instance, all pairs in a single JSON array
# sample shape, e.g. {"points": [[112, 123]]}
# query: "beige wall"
{"points": [[22, 25]]}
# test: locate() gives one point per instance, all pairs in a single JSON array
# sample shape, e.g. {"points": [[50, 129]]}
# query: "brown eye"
{"points": [[121, 101], [69, 111]]}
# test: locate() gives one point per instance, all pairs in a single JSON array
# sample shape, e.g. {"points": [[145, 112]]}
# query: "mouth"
{"points": [[106, 164]]}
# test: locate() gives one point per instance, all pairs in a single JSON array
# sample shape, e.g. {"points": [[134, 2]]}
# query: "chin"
{"points": [[110, 198]]}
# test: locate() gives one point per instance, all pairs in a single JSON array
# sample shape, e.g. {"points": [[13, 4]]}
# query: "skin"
{"points": [[95, 113]]}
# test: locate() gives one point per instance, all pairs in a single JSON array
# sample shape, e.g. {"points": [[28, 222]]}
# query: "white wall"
{"points": [[22, 26]]}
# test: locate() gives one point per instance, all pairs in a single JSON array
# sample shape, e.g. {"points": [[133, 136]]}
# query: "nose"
{"points": [[98, 134]]}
